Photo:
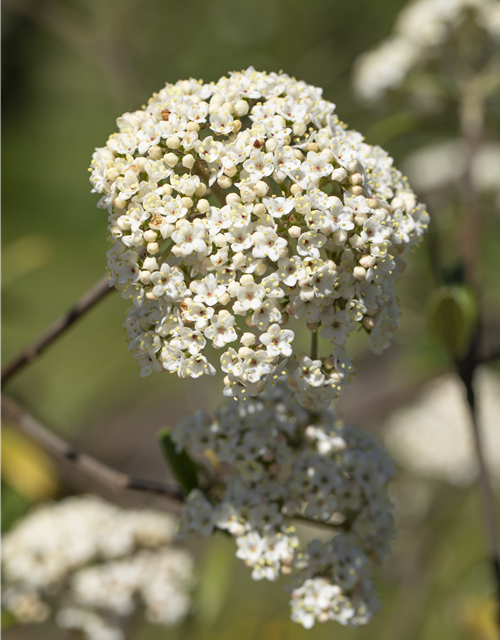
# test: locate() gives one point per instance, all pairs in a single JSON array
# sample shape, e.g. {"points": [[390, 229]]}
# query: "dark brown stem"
{"points": [[104, 475], [89, 299]]}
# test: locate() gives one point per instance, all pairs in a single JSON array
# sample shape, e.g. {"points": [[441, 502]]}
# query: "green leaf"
{"points": [[8, 619], [181, 464], [452, 317], [215, 580]]}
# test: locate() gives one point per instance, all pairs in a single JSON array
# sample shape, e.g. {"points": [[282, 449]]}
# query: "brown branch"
{"points": [[104, 475], [89, 299]]}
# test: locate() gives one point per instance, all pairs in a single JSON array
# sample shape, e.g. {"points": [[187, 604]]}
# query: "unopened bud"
{"points": [[312, 326], [260, 269], [247, 339], [367, 261], [224, 299], [261, 188], [299, 129], [295, 189], [188, 161], [294, 232], [271, 144], [356, 189], [360, 219], [246, 279], [171, 159], [153, 247], [369, 323], [359, 273], [187, 202], [231, 172], [233, 198], [241, 108], [173, 142], [259, 209], [203, 205], [339, 237], [155, 152], [224, 182], [193, 126], [150, 235]]}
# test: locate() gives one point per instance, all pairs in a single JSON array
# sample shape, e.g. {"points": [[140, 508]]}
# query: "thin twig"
{"points": [[89, 299], [102, 473]]}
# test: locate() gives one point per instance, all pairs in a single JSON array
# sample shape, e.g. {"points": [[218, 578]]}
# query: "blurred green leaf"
{"points": [[215, 580], [181, 464], [452, 317], [8, 620]]}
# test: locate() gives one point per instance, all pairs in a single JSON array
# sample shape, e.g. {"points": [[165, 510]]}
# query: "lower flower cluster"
{"points": [[285, 473], [89, 562]]}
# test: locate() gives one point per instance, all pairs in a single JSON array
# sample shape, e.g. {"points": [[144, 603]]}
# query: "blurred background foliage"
{"points": [[70, 67]]}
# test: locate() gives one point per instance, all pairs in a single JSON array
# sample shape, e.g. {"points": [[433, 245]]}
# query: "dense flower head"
{"points": [[91, 561], [238, 205], [423, 27], [285, 473]]}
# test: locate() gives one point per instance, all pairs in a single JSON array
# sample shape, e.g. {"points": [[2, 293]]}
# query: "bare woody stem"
{"points": [[102, 473], [89, 299]]}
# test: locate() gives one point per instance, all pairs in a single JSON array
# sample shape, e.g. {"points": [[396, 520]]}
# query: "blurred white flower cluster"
{"points": [[281, 464], [422, 27], [89, 562], [236, 205], [433, 438]]}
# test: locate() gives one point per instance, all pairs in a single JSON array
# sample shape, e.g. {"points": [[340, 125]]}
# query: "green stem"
{"points": [[314, 345]]}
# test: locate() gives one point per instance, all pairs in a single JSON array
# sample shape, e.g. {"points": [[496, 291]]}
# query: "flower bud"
{"points": [[260, 269], [246, 279], [155, 152], [171, 159], [295, 189], [356, 189], [150, 235], [188, 161], [259, 209], [247, 339], [224, 182], [369, 323], [360, 219], [356, 241], [236, 126], [233, 198], [271, 144], [145, 277], [367, 261], [359, 273], [355, 178], [299, 129], [312, 146], [153, 247], [173, 142], [339, 237], [151, 296], [261, 188], [119, 204], [224, 299], [397, 203], [187, 202], [352, 166], [203, 206], [231, 172], [294, 232], [200, 190], [241, 108], [339, 175], [312, 326], [193, 126]]}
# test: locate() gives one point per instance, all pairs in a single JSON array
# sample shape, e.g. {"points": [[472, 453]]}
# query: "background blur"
{"points": [[70, 67]]}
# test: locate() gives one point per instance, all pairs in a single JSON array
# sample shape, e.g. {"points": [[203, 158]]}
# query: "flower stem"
{"points": [[314, 345]]}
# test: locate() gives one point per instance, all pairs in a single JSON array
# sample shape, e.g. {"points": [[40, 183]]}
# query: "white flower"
{"points": [[269, 240], [221, 329], [278, 341]]}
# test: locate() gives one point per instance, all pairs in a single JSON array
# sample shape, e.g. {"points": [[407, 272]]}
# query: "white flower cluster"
{"points": [[432, 438], [281, 464], [236, 205], [421, 28], [90, 561]]}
